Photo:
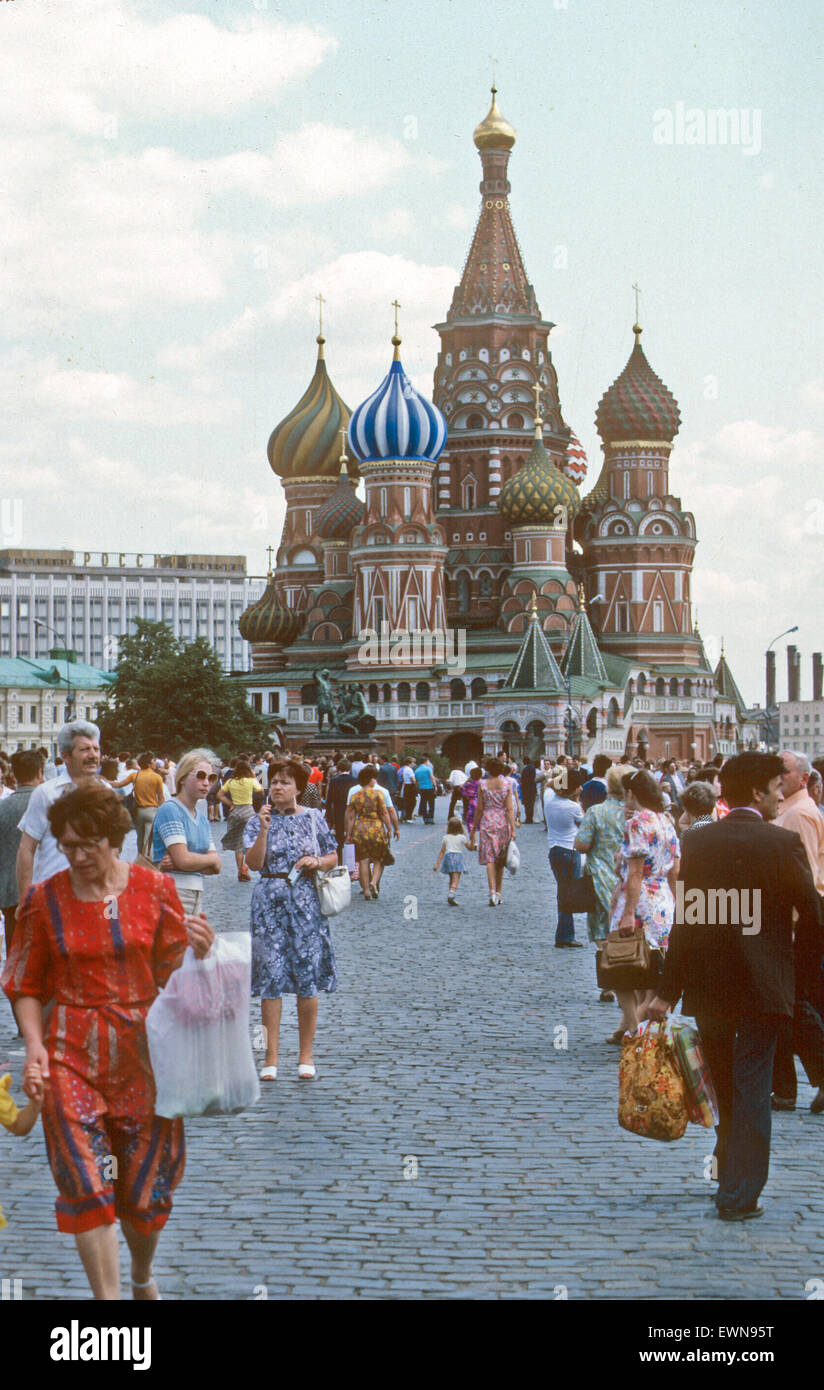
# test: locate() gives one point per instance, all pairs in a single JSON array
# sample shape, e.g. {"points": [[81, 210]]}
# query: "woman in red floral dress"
{"points": [[100, 939]]}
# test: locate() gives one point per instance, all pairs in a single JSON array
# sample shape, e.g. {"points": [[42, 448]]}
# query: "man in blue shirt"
{"points": [[425, 778]]}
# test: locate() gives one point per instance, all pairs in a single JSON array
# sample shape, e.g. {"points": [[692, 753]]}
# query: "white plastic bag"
{"points": [[198, 1032], [513, 857]]}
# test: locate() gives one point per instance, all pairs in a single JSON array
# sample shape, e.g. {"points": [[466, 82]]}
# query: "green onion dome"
{"points": [[305, 443], [532, 494], [269, 620]]}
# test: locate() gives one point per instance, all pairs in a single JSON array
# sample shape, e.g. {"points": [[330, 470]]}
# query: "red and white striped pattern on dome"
{"points": [[575, 463]]}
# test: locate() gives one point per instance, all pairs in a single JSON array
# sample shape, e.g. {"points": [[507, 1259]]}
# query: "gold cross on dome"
{"points": [[321, 302], [637, 289], [343, 458], [537, 390], [494, 74], [396, 306], [269, 553]]}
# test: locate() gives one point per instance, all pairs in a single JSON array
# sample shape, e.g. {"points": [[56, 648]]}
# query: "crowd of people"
{"points": [[82, 975]]}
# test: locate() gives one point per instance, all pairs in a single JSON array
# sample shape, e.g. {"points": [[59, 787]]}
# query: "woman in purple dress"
{"points": [[495, 822]]}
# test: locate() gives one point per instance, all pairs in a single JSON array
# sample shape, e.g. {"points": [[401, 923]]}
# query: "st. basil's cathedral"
{"points": [[573, 613]]}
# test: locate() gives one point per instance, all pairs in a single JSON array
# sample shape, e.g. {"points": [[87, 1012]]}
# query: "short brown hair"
{"points": [[95, 813], [298, 771]]}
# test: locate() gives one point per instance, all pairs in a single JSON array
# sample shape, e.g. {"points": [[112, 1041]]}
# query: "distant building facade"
{"points": [[86, 601]]}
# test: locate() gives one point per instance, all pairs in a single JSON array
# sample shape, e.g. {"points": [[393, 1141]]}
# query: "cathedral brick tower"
{"points": [[494, 352], [638, 542], [397, 551]]}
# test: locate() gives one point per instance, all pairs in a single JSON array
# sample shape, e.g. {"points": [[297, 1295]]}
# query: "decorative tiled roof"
{"points": [[534, 667], [306, 443], [575, 463], [638, 405], [340, 513], [726, 686], [582, 657]]}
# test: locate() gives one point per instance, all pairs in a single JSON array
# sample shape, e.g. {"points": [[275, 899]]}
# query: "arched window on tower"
{"points": [[688, 687], [673, 686], [463, 593], [660, 686], [483, 355], [407, 503], [475, 422], [478, 688], [387, 692], [612, 714], [404, 692], [384, 500], [626, 487], [515, 420], [650, 484], [457, 689], [373, 694], [468, 495], [422, 690]]}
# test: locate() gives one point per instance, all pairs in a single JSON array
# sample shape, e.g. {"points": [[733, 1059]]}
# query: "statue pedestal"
{"points": [[323, 745]]}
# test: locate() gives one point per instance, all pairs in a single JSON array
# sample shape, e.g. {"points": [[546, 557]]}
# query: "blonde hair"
{"points": [[189, 762], [615, 776]]}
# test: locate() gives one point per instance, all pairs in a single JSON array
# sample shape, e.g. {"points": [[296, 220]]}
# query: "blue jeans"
{"points": [[559, 863]]}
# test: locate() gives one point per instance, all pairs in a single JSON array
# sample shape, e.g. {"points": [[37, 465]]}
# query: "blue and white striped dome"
{"points": [[395, 422]]}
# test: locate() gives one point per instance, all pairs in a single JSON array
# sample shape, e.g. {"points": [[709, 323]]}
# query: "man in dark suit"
{"points": [[734, 957], [337, 792], [388, 778], [528, 787]]}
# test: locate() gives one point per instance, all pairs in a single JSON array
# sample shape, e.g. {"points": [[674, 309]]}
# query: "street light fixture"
{"points": [[38, 622], [768, 707]]}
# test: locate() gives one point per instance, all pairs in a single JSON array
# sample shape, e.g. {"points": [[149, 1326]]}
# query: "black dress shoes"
{"points": [[727, 1214]]}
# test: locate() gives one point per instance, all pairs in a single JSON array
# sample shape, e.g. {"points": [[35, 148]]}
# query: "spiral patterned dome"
{"points": [[269, 620], [638, 405], [533, 493], [306, 443], [395, 422], [340, 513], [575, 463]]}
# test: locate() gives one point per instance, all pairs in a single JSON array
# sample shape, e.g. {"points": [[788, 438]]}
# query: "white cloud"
{"points": [[121, 64], [393, 225], [811, 394], [70, 393]]}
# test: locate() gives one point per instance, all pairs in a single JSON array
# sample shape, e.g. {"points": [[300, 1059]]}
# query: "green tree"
{"points": [[170, 696]]}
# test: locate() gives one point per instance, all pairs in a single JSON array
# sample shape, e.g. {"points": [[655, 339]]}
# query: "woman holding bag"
{"points": [[100, 939], [291, 946], [644, 897]]}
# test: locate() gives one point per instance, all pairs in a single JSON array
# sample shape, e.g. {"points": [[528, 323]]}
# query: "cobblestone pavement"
{"points": [[460, 1139]]}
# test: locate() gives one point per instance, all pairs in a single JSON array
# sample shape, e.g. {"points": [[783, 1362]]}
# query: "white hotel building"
{"points": [[86, 601]]}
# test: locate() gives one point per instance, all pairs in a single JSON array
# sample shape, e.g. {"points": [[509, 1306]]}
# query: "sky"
{"points": [[180, 180]]}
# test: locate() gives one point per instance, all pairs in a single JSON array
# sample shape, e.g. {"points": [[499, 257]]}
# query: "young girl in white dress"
{"points": [[450, 860]]}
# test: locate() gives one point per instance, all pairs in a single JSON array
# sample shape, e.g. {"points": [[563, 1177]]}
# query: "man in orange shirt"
{"points": [[148, 797], [805, 1034]]}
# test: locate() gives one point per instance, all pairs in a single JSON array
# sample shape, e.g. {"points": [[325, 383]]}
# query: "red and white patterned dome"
{"points": [[575, 463]]}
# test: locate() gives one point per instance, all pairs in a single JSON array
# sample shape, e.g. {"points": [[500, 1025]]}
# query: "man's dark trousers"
{"points": [[740, 1059], [803, 1034], [427, 806]]}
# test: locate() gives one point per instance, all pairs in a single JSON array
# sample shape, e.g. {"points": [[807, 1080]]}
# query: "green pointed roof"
{"points": [[534, 668], [726, 686], [582, 657]]}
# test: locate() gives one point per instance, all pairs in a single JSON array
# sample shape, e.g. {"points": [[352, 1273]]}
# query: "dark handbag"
{"points": [[576, 894], [627, 962]]}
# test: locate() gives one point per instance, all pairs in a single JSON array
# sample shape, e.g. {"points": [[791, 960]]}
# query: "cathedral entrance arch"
{"points": [[461, 747]]}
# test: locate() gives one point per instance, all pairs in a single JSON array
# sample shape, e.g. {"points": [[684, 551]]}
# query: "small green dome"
{"points": [[539, 486], [269, 620]]}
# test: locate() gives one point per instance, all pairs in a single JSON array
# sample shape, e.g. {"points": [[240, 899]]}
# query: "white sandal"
{"points": [[148, 1282], [269, 1074], [306, 1071]]}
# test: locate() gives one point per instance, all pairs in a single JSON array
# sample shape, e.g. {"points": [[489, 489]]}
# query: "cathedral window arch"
{"points": [[462, 355], [463, 592], [457, 689], [373, 694], [660, 686], [478, 688], [469, 493], [526, 355], [407, 502], [504, 355], [673, 686], [658, 615], [688, 686], [485, 587], [404, 692], [612, 714], [626, 487], [650, 484], [483, 355], [384, 501], [449, 359], [412, 614], [475, 422], [422, 691], [641, 687], [515, 421], [386, 691]]}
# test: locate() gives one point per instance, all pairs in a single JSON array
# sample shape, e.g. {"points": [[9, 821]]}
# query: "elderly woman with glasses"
{"points": [[100, 939], [182, 843]]}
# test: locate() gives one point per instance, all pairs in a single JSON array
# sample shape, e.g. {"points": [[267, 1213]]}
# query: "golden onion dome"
{"points": [[539, 487], [494, 133], [305, 443], [269, 620]]}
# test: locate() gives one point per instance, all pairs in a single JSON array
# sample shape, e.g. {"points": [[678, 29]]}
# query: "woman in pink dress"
{"points": [[495, 824], [469, 792]]}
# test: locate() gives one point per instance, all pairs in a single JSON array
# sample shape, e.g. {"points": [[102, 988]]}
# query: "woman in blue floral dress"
{"points": [[644, 896], [291, 946]]}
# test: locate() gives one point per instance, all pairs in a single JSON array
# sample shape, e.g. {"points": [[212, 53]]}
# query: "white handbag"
{"points": [[333, 886], [513, 857]]}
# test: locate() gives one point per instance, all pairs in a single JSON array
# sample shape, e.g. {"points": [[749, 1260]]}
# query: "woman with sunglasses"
{"points": [[182, 843], [99, 939]]}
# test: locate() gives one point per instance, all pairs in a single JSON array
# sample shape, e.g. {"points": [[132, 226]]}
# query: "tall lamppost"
{"points": [[38, 622], [768, 706]]}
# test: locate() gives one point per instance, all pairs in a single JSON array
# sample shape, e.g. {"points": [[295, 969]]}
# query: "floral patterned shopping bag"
{"points": [[651, 1093]]}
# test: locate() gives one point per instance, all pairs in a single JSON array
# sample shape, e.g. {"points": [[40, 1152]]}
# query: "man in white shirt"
{"points": [[38, 856], [456, 780]]}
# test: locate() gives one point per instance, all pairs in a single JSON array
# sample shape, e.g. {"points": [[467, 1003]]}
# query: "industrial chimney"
{"points": [[770, 680], [817, 675], [793, 674]]}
